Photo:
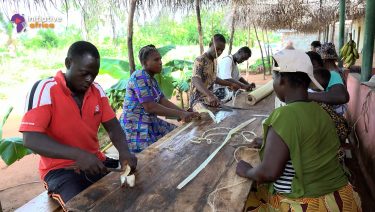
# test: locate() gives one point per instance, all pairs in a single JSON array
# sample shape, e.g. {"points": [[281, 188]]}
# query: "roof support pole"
{"points": [[368, 45], [133, 4], [341, 26]]}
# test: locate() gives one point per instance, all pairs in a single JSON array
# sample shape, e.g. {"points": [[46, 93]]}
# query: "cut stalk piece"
{"points": [[204, 164], [260, 93]]}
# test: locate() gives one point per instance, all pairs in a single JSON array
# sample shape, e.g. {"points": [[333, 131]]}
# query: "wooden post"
{"points": [[232, 31], [341, 27], [199, 24], [333, 32], [368, 41], [261, 52], [133, 4], [319, 35], [268, 53]]}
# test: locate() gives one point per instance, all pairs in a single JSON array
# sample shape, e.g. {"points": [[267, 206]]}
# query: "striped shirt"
{"points": [[284, 183]]}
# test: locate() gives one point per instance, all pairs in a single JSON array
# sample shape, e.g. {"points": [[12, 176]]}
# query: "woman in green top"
{"points": [[299, 153]]}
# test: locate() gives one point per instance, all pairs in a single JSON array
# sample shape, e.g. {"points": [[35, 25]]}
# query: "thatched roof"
{"points": [[300, 15]]}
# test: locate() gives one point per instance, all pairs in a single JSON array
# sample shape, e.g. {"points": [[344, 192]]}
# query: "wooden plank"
{"points": [[42, 202], [161, 169]]}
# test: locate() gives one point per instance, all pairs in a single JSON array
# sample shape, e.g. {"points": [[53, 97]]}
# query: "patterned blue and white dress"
{"points": [[142, 128]]}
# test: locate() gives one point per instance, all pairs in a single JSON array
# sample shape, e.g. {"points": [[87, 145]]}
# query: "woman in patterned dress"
{"points": [[144, 101]]}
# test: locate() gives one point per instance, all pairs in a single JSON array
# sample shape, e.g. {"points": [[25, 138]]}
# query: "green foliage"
{"points": [[11, 149], [115, 68], [116, 94], [47, 38], [6, 26], [259, 64]]}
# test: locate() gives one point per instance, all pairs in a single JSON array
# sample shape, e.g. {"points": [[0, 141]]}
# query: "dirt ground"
{"points": [[20, 182]]}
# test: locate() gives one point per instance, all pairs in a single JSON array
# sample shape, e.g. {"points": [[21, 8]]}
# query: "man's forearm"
{"points": [[236, 82], [44, 145], [223, 82], [242, 80], [201, 87]]}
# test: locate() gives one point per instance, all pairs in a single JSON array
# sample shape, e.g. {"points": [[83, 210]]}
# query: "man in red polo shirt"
{"points": [[61, 122]]}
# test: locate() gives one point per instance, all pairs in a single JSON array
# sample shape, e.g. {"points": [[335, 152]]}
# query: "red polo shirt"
{"points": [[51, 109]]}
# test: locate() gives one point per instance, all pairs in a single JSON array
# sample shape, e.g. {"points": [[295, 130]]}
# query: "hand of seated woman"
{"points": [[242, 168], [188, 116]]}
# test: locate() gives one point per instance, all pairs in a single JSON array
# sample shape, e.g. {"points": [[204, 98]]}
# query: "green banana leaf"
{"points": [[12, 149], [5, 118], [165, 49], [166, 84], [179, 64], [115, 68]]}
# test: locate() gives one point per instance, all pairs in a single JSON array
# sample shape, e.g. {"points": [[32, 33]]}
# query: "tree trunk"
{"points": [[199, 24], [319, 35], [182, 99], [247, 62], [261, 52], [333, 32], [265, 49], [232, 31], [133, 4], [268, 53]]}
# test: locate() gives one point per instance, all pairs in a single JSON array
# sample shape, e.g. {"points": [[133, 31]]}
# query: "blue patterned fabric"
{"points": [[142, 128]]}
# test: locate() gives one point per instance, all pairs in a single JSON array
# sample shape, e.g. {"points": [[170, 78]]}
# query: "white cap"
{"points": [[291, 60]]}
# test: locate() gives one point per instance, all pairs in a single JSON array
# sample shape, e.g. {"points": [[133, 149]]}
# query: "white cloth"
{"points": [[227, 69]]}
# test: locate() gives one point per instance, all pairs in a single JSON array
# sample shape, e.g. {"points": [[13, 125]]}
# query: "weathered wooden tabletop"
{"points": [[163, 165]]}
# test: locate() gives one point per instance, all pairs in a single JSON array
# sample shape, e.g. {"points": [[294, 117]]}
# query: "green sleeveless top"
{"points": [[313, 144]]}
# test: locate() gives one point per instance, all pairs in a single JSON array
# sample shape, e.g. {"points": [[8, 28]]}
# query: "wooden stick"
{"points": [[204, 164]]}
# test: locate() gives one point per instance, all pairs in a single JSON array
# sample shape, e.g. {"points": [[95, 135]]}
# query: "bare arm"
{"points": [[165, 102], [242, 80], [160, 110], [242, 85], [117, 136], [337, 94], [276, 155], [46, 146], [200, 86]]}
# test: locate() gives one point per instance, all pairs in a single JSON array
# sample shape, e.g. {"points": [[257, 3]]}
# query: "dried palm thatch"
{"points": [[299, 15]]}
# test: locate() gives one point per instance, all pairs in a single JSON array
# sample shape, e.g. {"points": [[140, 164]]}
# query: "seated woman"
{"points": [[204, 75], [144, 101], [299, 153]]}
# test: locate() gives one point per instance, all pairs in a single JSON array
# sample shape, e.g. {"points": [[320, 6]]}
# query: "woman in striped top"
{"points": [[299, 152]]}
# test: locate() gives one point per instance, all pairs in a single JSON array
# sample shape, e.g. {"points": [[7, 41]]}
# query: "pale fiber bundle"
{"points": [[260, 93]]}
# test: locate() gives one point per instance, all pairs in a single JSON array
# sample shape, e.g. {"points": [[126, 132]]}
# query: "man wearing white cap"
{"points": [[299, 151]]}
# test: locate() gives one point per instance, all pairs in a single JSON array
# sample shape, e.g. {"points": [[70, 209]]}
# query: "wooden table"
{"points": [[163, 165]]}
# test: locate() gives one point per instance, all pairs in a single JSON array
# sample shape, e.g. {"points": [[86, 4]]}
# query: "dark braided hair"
{"points": [[217, 38], [145, 52]]}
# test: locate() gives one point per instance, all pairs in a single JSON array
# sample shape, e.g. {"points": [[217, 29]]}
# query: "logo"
{"points": [[36, 22], [20, 22], [97, 109]]}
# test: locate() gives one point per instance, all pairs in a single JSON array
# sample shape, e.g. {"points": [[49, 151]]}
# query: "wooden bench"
{"points": [[41, 203]]}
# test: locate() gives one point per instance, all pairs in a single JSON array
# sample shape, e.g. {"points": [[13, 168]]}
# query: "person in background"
{"points": [[315, 45], [144, 101], [299, 159], [61, 124], [336, 93], [289, 45], [228, 70], [205, 75]]}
